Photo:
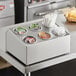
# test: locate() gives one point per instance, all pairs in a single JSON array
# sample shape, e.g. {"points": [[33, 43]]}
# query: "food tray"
{"points": [[40, 50]]}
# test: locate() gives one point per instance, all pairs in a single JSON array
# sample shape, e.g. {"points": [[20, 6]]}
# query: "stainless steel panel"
{"points": [[6, 8], [18, 49], [50, 62], [63, 4], [7, 21], [35, 67], [34, 10], [73, 42], [3, 23]]}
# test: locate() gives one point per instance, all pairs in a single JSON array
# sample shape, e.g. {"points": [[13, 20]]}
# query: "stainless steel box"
{"points": [[37, 52]]}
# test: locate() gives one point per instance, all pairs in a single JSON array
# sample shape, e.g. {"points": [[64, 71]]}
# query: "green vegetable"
{"points": [[34, 26], [20, 29]]}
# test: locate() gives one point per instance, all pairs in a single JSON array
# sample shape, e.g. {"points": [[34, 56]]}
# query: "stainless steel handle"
{"points": [[41, 13]]}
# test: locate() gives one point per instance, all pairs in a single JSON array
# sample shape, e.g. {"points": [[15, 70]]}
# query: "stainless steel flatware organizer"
{"points": [[30, 46], [41, 49]]}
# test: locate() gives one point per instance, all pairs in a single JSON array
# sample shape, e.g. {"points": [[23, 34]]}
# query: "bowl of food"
{"points": [[20, 30], [34, 27], [29, 39], [44, 35]]}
